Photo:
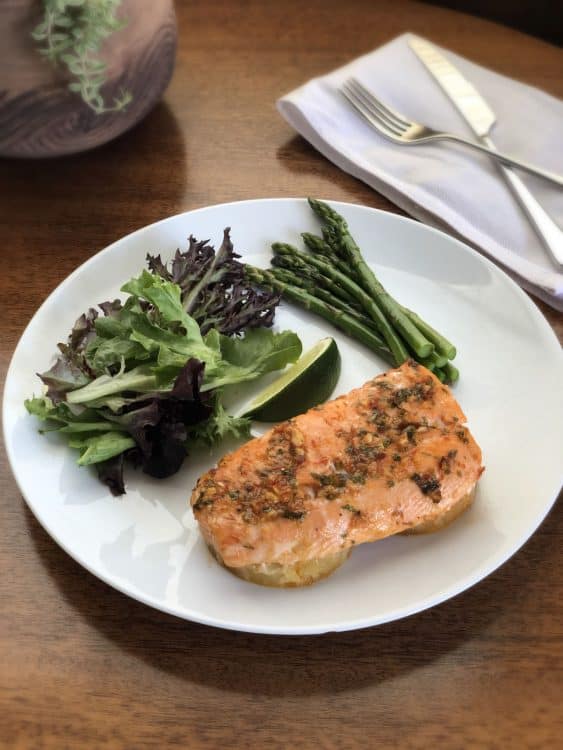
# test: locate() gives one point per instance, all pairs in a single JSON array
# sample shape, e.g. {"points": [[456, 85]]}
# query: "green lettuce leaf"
{"points": [[259, 352], [140, 379], [166, 297], [99, 448], [62, 418], [84, 429], [220, 425], [111, 352]]}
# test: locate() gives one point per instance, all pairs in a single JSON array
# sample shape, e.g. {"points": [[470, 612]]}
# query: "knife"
{"points": [[477, 113]]}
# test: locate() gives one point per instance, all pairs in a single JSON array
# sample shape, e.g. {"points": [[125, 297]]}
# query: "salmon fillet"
{"points": [[385, 458]]}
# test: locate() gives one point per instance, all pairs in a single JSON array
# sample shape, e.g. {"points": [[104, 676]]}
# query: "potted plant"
{"points": [[77, 73]]}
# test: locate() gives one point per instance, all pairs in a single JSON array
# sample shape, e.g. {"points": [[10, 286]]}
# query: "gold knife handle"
{"points": [[548, 231]]}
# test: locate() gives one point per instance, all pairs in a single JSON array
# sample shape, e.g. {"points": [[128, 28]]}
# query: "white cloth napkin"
{"points": [[442, 184]]}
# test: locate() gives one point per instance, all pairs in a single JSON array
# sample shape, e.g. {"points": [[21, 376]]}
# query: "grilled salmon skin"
{"points": [[392, 456]]}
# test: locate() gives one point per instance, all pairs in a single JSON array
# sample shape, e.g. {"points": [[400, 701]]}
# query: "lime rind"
{"points": [[307, 383]]}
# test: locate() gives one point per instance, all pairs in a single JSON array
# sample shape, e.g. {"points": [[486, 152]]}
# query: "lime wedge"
{"points": [[310, 381]]}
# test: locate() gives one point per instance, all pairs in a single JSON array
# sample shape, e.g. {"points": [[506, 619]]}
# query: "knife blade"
{"points": [[480, 117], [463, 94]]}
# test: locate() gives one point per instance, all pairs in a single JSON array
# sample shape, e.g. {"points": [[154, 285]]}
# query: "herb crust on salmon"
{"points": [[392, 456]]}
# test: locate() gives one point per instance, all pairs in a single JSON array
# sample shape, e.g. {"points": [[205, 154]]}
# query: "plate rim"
{"points": [[462, 585]]}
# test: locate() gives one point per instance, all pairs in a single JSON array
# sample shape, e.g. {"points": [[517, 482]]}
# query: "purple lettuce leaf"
{"points": [[214, 289], [64, 376], [71, 369], [111, 309], [159, 424], [110, 472]]}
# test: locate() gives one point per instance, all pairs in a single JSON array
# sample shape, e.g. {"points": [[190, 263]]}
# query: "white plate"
{"points": [[147, 544]]}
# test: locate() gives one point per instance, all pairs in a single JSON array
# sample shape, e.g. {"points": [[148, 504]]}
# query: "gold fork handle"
{"points": [[503, 158]]}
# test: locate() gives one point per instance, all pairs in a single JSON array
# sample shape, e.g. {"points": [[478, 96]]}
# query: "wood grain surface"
{"points": [[40, 117], [83, 666]]}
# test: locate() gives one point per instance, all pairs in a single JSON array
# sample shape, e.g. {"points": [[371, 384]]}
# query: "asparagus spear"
{"points": [[440, 374], [289, 277], [330, 236], [451, 372], [295, 261], [327, 214], [434, 362], [336, 222], [441, 344], [341, 320], [392, 340], [369, 282], [290, 284], [318, 246]]}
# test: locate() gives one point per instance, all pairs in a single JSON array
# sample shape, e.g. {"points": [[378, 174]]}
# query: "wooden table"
{"points": [[83, 666]]}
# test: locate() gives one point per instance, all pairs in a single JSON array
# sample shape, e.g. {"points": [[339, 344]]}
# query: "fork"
{"points": [[399, 129]]}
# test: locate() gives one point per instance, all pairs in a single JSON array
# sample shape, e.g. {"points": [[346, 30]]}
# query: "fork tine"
{"points": [[375, 120], [385, 109], [392, 124]]}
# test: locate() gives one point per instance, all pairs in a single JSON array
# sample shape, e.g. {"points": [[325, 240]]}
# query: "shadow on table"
{"points": [[109, 187], [302, 160], [299, 156], [283, 665]]}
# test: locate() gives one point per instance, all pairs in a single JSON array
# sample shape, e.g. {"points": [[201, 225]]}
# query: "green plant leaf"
{"points": [[139, 379], [259, 352], [100, 448], [71, 33]]}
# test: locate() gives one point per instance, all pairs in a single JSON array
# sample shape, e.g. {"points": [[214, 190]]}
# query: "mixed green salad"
{"points": [[141, 380]]}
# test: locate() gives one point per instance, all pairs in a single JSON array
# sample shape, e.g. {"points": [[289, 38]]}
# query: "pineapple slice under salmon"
{"points": [[392, 456]]}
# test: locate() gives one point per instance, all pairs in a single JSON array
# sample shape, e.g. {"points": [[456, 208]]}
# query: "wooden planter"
{"points": [[40, 117]]}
